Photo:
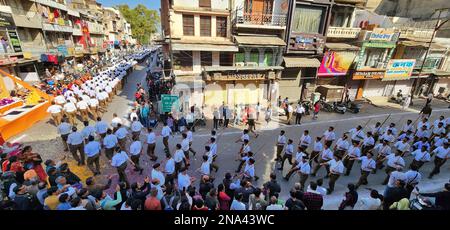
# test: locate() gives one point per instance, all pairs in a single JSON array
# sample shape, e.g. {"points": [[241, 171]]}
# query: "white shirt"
{"points": [[354, 151], [169, 168], [134, 115], [101, 127], [326, 154], [249, 170], [184, 181], [110, 141], [395, 161], [236, 205], [93, 102], [300, 109], [336, 167], [158, 175], [82, 105], [60, 99], [442, 152], [54, 109], [436, 122], [329, 136], [421, 123], [179, 156], [72, 99], [421, 156], [407, 127], [383, 149], [342, 144], [64, 128], [413, 177], [166, 131], [317, 146], [438, 130], [151, 138], [135, 148], [367, 164], [88, 131], [246, 149], [245, 137], [75, 138], [394, 176], [213, 149], [304, 168], [136, 126], [299, 156], [403, 147], [189, 136], [121, 133], [119, 158], [368, 203], [368, 141], [185, 145], [205, 168], [115, 121], [289, 149], [305, 140], [390, 138], [281, 140], [356, 134], [70, 107]]}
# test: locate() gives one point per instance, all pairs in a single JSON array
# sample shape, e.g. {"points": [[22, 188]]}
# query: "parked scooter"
{"points": [[399, 98], [339, 107], [353, 107], [325, 106], [307, 106]]}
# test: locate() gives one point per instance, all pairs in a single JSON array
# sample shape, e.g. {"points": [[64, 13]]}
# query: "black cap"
{"points": [[156, 165]]}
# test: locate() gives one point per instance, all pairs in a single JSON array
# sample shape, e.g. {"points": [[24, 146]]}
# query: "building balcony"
{"points": [[95, 28], [343, 32], [76, 31], [27, 19], [57, 27], [416, 33], [51, 3], [260, 20]]}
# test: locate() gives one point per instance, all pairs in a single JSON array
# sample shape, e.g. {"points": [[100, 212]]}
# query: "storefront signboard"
{"points": [[336, 63], [363, 75], [399, 69], [168, 102], [15, 42]]}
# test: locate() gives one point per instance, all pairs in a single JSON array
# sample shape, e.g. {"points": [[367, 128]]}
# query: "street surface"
{"points": [[44, 139]]}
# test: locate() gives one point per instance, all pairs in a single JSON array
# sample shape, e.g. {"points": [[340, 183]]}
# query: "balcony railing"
{"points": [[343, 32], [412, 33], [262, 19]]}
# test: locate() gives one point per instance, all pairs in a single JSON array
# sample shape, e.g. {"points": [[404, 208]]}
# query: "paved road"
{"points": [[44, 139]]}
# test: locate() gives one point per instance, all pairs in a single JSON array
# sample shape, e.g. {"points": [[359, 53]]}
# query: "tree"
{"points": [[143, 21]]}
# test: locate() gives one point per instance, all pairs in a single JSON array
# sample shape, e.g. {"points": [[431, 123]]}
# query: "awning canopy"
{"points": [[341, 46], [292, 62], [434, 46], [240, 68], [259, 40], [204, 47]]}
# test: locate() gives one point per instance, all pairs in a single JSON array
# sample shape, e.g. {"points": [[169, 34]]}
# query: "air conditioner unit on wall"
{"points": [[252, 64], [240, 64]]}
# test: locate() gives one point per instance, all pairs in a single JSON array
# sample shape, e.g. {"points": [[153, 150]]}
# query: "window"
{"points": [[188, 25], [221, 26], [183, 61], [206, 58], [268, 58], [239, 57], [308, 19], [254, 56], [205, 26], [432, 62], [226, 59], [204, 3], [374, 57]]}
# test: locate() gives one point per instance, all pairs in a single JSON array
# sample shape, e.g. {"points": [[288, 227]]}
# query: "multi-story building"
{"points": [[111, 19], [198, 35], [341, 46], [306, 31]]}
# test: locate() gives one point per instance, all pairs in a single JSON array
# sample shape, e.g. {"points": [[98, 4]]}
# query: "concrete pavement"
{"points": [[44, 140]]}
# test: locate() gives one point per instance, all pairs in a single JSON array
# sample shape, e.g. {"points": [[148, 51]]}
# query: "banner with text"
{"points": [[399, 69], [336, 63]]}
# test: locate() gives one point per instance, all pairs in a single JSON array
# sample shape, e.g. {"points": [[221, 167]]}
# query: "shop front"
{"points": [[368, 83], [239, 85], [299, 78], [10, 45]]}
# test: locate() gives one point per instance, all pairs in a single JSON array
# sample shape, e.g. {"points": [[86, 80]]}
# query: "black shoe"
{"points": [[217, 169], [430, 176], [384, 183], [313, 174], [329, 191], [237, 171], [256, 178], [326, 177], [280, 169], [140, 171], [347, 174], [286, 179], [79, 163], [136, 170]]}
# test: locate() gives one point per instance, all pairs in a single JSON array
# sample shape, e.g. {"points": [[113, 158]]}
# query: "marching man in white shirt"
{"points": [[305, 140], [368, 164], [353, 152], [136, 128], [341, 146], [325, 156], [243, 154], [151, 144], [317, 148], [382, 150], [281, 142], [421, 156], [165, 133], [368, 143], [329, 136], [287, 154], [442, 154], [336, 169], [303, 168], [135, 152], [83, 107], [56, 112], [395, 162], [71, 110]]}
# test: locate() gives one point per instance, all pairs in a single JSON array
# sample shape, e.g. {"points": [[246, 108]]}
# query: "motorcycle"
{"points": [[421, 202], [307, 106], [353, 107], [339, 108], [325, 106]]}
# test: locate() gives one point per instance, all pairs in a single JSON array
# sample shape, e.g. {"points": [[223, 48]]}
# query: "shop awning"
{"points": [[293, 62], [240, 68], [341, 46], [434, 46], [442, 73], [204, 47], [259, 40]]}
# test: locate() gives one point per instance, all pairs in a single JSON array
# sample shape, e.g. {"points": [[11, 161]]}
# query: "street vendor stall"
{"points": [[23, 105]]}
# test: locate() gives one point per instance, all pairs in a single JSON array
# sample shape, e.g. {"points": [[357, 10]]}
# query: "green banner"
{"points": [[168, 102]]}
